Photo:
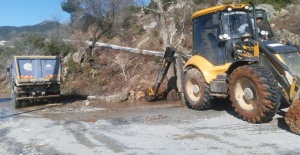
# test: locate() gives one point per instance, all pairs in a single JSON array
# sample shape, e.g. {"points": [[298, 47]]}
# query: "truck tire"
{"points": [[254, 93], [15, 102], [196, 90]]}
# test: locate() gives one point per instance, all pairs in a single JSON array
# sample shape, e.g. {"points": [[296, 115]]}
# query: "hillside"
{"points": [[143, 33], [7, 31]]}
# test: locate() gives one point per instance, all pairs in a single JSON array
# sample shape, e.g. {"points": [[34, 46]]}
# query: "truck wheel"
{"points": [[254, 93], [15, 102], [196, 90]]}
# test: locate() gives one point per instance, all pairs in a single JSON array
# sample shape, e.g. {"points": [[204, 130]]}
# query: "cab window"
{"points": [[206, 40]]}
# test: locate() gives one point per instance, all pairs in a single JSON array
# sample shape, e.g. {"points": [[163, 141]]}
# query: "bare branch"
{"points": [[168, 3], [156, 11], [121, 60]]}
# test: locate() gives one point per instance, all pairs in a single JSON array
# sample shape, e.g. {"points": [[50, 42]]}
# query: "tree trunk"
{"points": [[90, 59], [164, 29]]}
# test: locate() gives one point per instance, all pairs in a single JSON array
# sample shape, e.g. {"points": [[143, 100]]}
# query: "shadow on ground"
{"points": [[39, 105], [225, 105], [5, 99], [3, 113], [281, 122]]}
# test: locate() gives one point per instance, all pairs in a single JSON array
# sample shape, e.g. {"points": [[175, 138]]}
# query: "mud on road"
{"points": [[95, 127]]}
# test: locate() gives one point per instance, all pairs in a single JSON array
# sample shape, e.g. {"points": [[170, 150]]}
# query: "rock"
{"points": [[131, 96], [118, 97], [269, 10], [272, 25], [87, 103], [150, 26], [121, 97], [65, 59], [94, 72], [139, 95], [295, 39], [282, 13], [172, 95], [78, 57], [65, 73], [91, 97], [293, 8]]}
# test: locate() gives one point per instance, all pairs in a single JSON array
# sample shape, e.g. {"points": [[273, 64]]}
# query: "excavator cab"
{"points": [[216, 34]]}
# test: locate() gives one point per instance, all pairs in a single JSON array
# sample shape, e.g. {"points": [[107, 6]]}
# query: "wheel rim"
{"points": [[193, 89], [245, 94]]}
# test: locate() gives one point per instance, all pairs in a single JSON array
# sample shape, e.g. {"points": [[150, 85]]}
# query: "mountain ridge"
{"points": [[6, 31]]}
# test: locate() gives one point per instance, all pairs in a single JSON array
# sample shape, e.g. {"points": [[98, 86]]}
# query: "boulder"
{"points": [[131, 96], [118, 97], [78, 57], [287, 35], [282, 13], [139, 95], [65, 59], [269, 10], [150, 26]]}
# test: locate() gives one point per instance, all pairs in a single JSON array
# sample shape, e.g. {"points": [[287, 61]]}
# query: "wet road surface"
{"points": [[93, 127]]}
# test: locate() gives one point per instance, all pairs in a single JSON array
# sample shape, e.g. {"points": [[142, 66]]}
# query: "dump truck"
{"points": [[238, 58], [34, 78]]}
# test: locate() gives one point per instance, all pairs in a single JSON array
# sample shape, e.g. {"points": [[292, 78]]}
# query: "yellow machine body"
{"points": [[208, 70]]}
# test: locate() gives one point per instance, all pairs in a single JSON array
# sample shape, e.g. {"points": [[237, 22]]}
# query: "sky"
{"points": [[30, 12]]}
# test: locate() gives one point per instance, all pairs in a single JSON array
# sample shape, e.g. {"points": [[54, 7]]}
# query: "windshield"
{"points": [[236, 24], [292, 60]]}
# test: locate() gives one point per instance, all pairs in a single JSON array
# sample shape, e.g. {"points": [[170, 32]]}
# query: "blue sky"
{"points": [[30, 12]]}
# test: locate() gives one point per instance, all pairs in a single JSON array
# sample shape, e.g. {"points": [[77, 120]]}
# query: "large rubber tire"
{"points": [[196, 90], [254, 93], [292, 117], [17, 104]]}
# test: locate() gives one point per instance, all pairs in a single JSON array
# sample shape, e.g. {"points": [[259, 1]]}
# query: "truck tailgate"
{"points": [[37, 68]]}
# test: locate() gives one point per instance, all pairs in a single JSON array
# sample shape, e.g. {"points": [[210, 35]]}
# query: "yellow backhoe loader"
{"points": [[235, 55]]}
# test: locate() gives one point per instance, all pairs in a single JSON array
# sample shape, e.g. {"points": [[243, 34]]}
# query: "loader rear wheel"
{"points": [[196, 90], [254, 93]]}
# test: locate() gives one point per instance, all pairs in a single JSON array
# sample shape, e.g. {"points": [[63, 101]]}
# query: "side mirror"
{"points": [[215, 19], [7, 70]]}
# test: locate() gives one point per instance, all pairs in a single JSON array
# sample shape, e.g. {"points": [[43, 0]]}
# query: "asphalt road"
{"points": [[94, 127]]}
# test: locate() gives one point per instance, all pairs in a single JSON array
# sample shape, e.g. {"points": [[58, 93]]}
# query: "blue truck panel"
{"points": [[36, 68]]}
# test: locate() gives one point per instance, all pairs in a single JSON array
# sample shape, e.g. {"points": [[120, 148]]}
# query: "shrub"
{"points": [[73, 67], [101, 82], [139, 30], [211, 2], [278, 4], [58, 48], [166, 4], [157, 59]]}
